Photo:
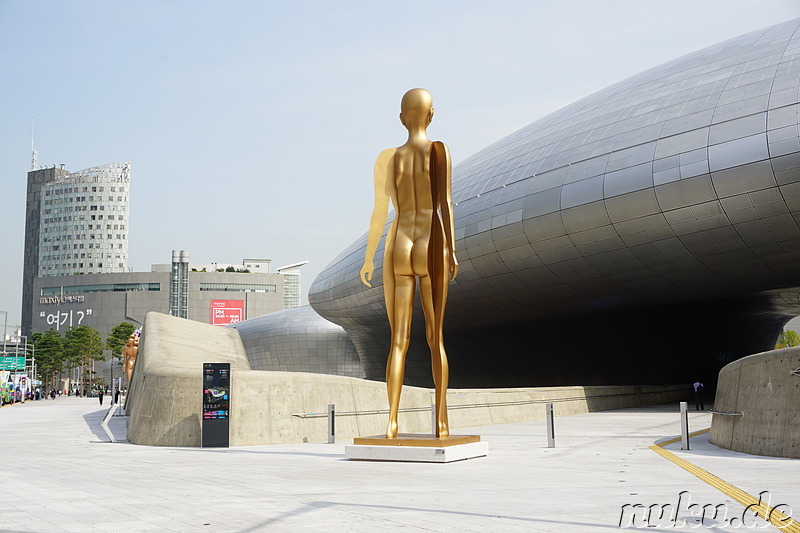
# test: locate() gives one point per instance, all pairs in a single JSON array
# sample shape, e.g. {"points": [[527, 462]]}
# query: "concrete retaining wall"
{"points": [[165, 398], [763, 389], [292, 406], [281, 407]]}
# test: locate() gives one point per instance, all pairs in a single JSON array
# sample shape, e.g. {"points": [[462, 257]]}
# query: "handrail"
{"points": [[713, 412], [106, 418], [465, 405], [353, 413]]}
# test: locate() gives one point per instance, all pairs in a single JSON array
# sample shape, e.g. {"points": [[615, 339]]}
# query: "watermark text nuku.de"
{"points": [[685, 514]]}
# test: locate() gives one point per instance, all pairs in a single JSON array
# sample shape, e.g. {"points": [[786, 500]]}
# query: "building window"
{"points": [[105, 287], [238, 287]]}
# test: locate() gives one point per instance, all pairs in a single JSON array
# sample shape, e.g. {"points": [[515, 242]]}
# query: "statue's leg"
{"points": [[389, 287], [441, 370], [440, 299], [401, 333]]}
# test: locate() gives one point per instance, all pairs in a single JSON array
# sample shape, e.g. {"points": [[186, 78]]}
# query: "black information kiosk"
{"points": [[216, 405]]}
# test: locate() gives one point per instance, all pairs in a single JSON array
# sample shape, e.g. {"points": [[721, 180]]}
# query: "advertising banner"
{"points": [[216, 405], [224, 312]]}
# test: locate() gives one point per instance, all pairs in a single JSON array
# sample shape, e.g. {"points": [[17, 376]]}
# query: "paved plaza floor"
{"points": [[60, 474]]}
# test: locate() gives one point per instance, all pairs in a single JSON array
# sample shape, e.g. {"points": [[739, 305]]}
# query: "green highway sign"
{"points": [[12, 363]]}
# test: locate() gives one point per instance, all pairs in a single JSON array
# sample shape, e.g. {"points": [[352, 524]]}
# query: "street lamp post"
{"points": [[5, 327], [24, 339]]}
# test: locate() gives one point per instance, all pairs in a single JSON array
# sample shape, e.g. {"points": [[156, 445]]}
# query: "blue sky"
{"points": [[252, 126]]}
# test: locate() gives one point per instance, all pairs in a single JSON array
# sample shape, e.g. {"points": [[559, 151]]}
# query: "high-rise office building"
{"points": [[75, 223]]}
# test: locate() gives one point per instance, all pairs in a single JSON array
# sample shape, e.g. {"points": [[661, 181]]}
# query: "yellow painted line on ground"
{"points": [[768, 513], [676, 439]]}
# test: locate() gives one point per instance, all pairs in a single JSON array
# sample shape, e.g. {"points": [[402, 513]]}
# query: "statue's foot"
{"points": [[444, 431], [391, 430]]}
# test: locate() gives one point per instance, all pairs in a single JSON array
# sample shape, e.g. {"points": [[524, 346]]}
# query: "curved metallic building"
{"points": [[645, 234], [298, 340]]}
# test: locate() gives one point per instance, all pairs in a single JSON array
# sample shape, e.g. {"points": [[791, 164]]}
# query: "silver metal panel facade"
{"points": [[299, 340], [676, 187]]}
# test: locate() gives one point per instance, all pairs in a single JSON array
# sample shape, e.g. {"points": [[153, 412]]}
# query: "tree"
{"points": [[116, 340], [83, 346], [230, 269], [49, 355], [787, 339]]}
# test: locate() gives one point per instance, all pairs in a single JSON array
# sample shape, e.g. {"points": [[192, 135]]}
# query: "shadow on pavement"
{"points": [[346, 507]]}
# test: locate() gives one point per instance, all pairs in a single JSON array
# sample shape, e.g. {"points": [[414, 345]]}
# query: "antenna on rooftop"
{"points": [[34, 155]]}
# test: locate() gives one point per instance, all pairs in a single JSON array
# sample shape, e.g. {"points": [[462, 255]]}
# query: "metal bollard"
{"points": [[684, 426], [331, 423], [551, 428]]}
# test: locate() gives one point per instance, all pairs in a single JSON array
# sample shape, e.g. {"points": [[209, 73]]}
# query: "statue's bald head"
{"points": [[416, 108], [416, 99]]}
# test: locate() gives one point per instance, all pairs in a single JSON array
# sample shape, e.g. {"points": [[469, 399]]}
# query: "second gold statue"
{"points": [[420, 245]]}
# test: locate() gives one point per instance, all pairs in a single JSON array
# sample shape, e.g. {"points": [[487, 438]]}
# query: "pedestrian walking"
{"points": [[698, 395], [100, 395]]}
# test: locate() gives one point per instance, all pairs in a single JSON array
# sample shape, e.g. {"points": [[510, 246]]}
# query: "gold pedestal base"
{"points": [[419, 440]]}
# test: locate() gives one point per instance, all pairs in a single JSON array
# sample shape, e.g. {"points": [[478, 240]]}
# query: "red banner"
{"points": [[224, 312]]}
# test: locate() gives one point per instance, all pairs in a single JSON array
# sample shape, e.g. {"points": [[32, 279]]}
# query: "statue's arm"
{"points": [[384, 168], [444, 171]]}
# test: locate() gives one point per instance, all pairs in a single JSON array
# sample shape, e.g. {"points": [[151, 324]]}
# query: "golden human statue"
{"points": [[130, 351], [420, 244]]}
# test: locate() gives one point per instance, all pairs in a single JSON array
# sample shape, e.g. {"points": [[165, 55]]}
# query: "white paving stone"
{"points": [[65, 477]]}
